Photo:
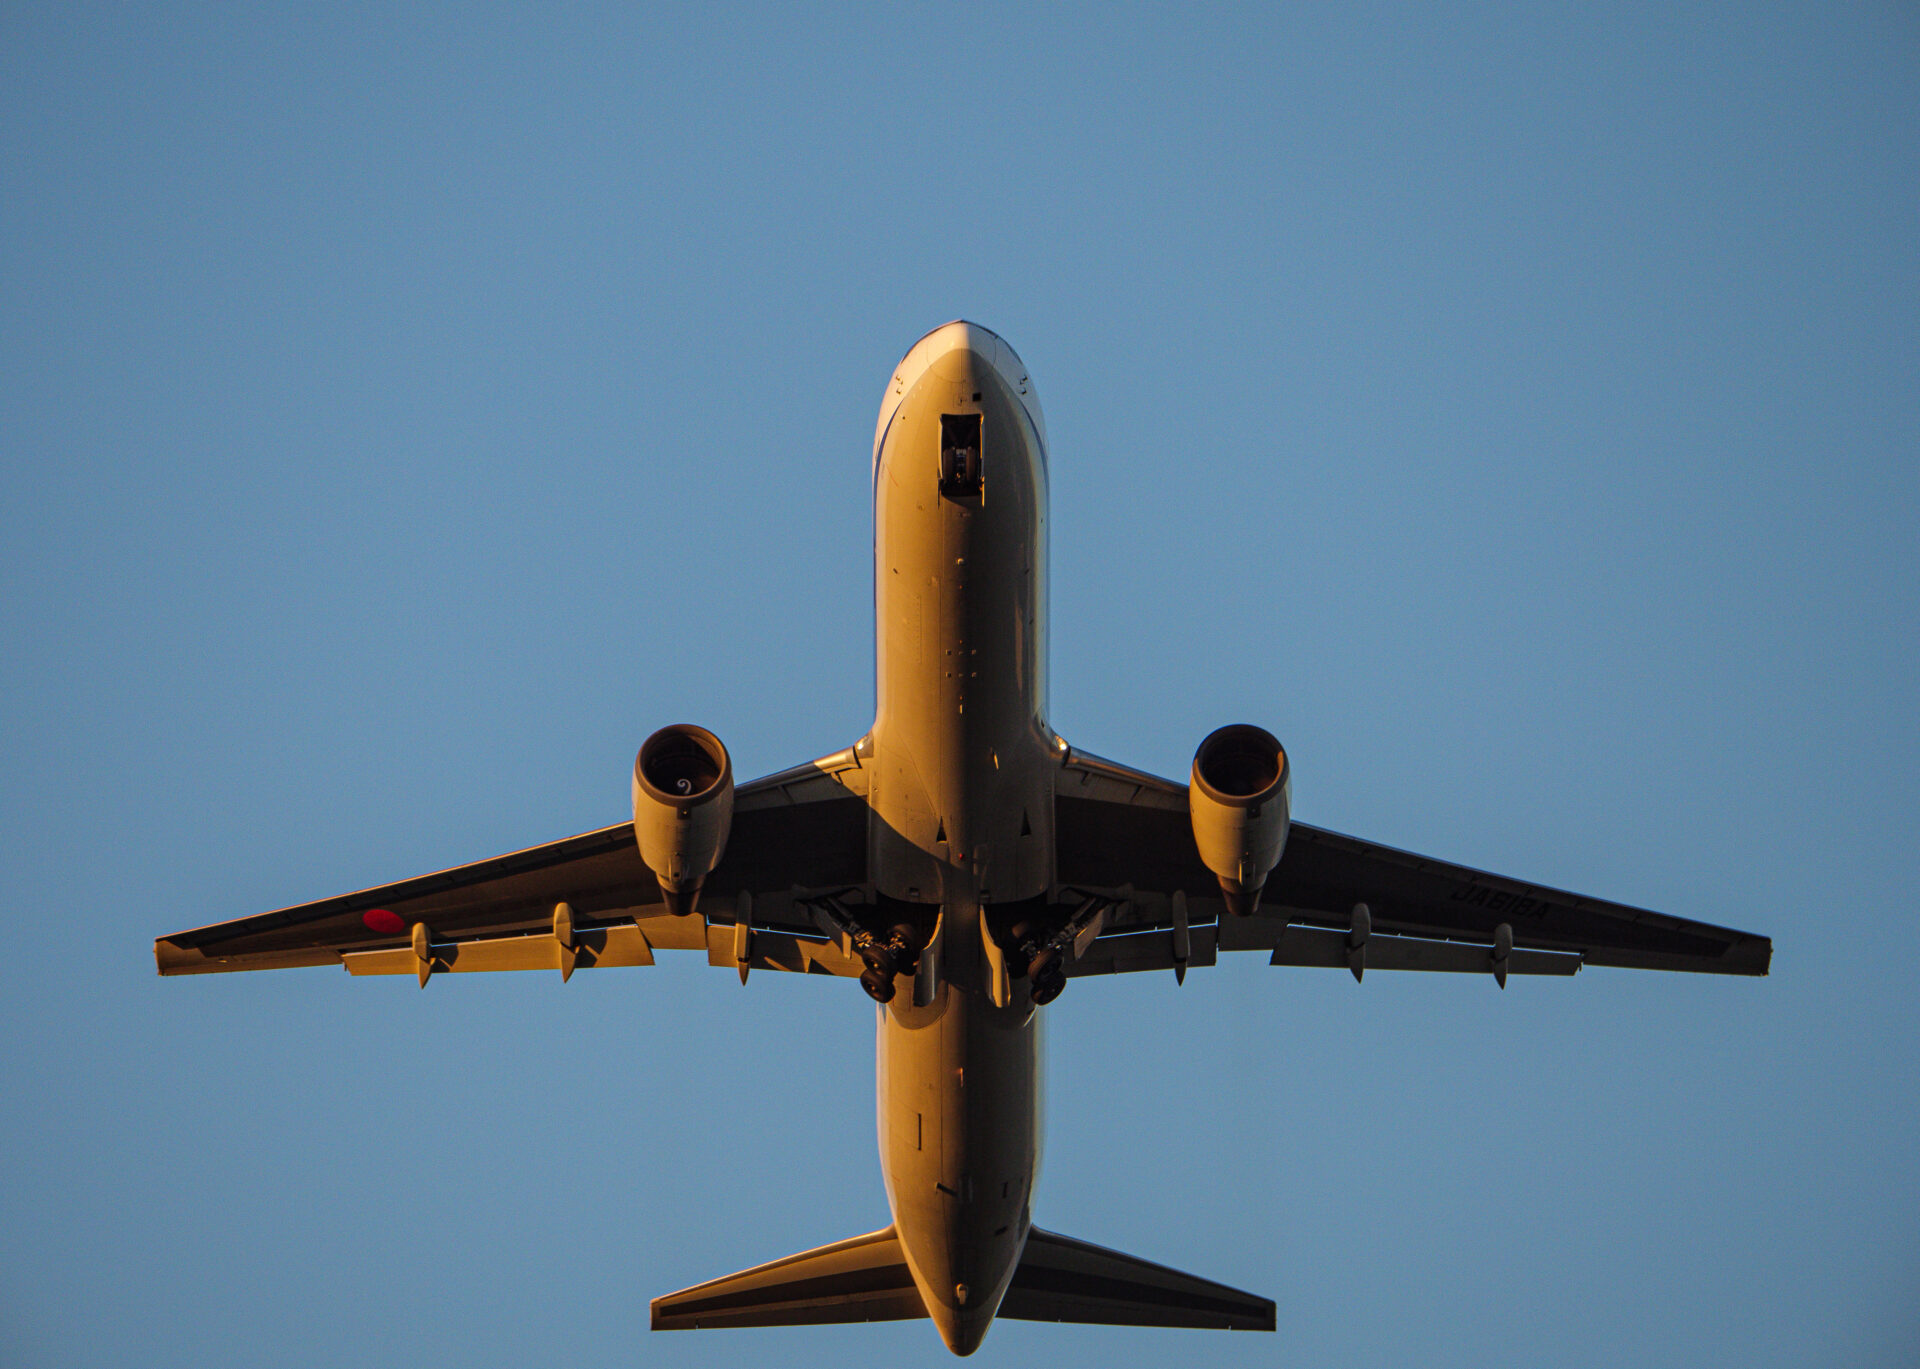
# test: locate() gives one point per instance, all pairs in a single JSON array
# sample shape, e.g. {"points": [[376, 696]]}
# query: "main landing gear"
{"points": [[1046, 977], [1033, 952], [1040, 941], [886, 960], [888, 954]]}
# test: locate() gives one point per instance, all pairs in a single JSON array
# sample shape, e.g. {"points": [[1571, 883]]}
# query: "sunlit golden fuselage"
{"points": [[962, 810]]}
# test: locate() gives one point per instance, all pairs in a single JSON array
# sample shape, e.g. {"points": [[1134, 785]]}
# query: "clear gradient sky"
{"points": [[404, 411]]}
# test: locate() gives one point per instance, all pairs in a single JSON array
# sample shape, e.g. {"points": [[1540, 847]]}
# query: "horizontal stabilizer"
{"points": [[863, 1279], [1061, 1279]]}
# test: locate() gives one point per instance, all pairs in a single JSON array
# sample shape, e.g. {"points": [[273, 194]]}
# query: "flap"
{"points": [[611, 947]]}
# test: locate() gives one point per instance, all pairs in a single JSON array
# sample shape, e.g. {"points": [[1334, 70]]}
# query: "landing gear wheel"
{"points": [[1047, 984], [879, 986], [903, 945]]}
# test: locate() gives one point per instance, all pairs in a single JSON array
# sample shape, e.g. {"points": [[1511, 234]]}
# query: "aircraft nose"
{"points": [[956, 354], [965, 351]]}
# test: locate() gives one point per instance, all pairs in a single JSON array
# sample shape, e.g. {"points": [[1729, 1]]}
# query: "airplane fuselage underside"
{"points": [[961, 809]]}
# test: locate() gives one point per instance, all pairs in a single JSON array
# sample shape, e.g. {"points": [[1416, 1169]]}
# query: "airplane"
{"points": [[963, 862]]}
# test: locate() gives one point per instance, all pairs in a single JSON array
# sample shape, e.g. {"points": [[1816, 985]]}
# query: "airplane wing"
{"points": [[1125, 836], [1124, 842], [585, 901]]}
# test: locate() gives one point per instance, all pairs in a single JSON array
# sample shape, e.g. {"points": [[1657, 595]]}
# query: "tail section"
{"points": [[866, 1279], [1061, 1279], [863, 1279]]}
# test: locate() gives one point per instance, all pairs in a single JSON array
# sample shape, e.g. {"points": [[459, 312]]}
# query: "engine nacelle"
{"points": [[1240, 799], [682, 809]]}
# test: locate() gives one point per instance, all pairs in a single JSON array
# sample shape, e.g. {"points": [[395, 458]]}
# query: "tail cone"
{"points": [[1240, 902], [681, 902]]}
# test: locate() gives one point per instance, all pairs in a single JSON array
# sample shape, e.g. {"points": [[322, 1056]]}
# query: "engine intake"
{"points": [[1240, 799], [682, 809]]}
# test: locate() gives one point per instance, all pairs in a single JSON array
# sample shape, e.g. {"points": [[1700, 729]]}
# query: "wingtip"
{"points": [[1753, 956], [170, 958]]}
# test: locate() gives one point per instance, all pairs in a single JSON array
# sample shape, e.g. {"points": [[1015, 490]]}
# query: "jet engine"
{"points": [[682, 809], [1239, 799]]}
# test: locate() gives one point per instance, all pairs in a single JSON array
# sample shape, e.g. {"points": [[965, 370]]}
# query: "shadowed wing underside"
{"points": [[1123, 835], [1126, 834], [802, 829]]}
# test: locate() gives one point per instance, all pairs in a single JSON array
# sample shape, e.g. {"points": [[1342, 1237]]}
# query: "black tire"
{"points": [[879, 987]]}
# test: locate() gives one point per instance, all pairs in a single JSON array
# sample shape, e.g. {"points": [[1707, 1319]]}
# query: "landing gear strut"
{"points": [[1044, 962], [886, 957], [886, 960]]}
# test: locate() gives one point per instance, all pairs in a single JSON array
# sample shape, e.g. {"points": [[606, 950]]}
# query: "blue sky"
{"points": [[404, 411]]}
